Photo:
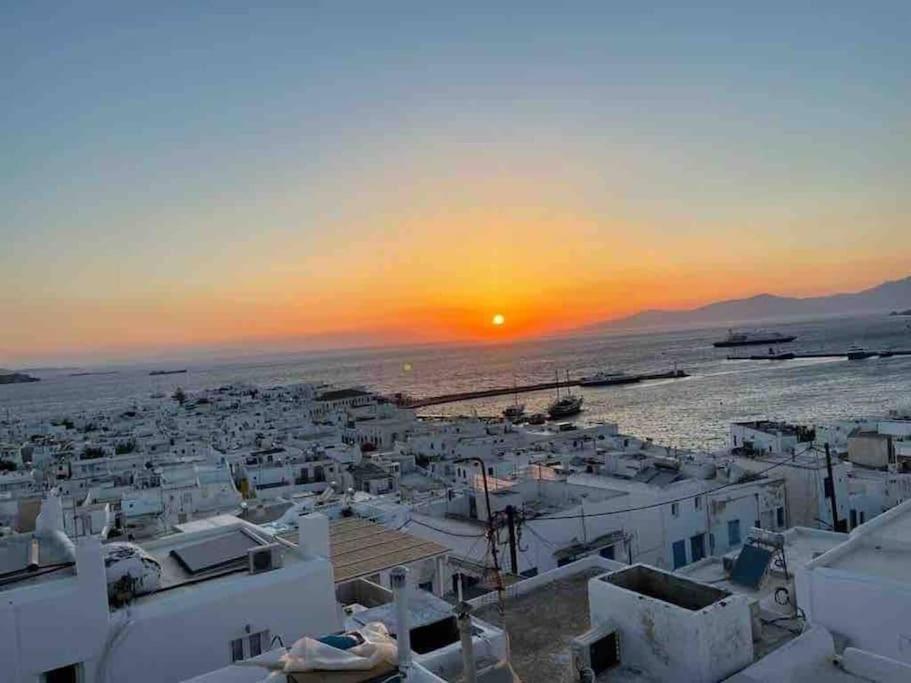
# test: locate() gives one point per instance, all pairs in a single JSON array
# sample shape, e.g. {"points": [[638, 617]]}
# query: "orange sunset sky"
{"points": [[316, 177]]}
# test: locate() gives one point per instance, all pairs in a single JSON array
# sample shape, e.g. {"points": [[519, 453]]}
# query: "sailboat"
{"points": [[565, 406], [516, 410]]}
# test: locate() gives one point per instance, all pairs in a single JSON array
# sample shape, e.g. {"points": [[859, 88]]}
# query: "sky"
{"points": [[177, 175]]}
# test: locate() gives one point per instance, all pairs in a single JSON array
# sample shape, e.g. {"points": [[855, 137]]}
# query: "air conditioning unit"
{"points": [[264, 558], [594, 652]]}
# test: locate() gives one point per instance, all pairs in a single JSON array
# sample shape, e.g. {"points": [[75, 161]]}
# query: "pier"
{"points": [[408, 402], [823, 354]]}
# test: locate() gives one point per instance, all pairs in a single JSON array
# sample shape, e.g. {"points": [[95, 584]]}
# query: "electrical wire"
{"points": [[543, 540]]}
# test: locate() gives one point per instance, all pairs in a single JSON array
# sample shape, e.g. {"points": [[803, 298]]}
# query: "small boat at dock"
{"points": [[567, 405]]}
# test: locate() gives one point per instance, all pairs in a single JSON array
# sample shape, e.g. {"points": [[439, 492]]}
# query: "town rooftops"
{"points": [[771, 427], [342, 394]]}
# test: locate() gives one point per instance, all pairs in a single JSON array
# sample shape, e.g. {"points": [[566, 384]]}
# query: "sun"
{"points": [[498, 319]]}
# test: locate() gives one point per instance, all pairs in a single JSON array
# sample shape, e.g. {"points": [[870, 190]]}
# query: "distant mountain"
{"points": [[884, 298]]}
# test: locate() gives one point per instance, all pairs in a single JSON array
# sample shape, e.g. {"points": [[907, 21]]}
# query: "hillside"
{"points": [[884, 298]]}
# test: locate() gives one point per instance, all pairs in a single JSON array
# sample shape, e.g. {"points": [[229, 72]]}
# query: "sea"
{"points": [[694, 412]]}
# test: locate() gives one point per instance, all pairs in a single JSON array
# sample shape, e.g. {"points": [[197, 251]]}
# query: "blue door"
{"points": [[733, 532], [679, 554], [697, 547]]}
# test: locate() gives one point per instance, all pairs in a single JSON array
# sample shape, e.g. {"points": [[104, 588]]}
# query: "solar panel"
{"points": [[751, 565], [215, 552]]}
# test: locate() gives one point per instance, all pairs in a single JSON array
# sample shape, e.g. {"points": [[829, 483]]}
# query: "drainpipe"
{"points": [[399, 578], [463, 616]]}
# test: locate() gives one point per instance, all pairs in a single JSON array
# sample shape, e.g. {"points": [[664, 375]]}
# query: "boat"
{"points": [[564, 406], [156, 373], [859, 353], [516, 410], [752, 339], [603, 379], [537, 419]]}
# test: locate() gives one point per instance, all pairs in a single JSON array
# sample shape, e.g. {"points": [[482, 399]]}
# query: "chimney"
{"points": [[50, 518], [463, 617], [313, 535]]}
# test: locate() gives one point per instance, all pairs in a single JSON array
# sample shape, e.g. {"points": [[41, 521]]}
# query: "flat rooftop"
{"points": [[215, 550], [541, 625], [880, 548], [666, 587], [874, 559], [53, 561]]}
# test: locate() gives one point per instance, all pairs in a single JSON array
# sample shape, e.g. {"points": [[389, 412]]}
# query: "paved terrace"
{"points": [[541, 625]]}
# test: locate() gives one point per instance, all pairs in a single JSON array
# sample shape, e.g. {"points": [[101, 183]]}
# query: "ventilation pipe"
{"points": [[399, 578]]}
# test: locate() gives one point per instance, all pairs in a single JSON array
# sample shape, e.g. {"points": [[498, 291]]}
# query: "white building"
{"points": [[861, 590], [191, 596]]}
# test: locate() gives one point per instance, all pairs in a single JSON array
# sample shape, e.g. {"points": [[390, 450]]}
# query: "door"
{"points": [[679, 554], [697, 547]]}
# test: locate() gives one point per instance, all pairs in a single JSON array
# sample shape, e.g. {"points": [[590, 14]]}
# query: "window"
{"points": [[250, 646], [679, 549], [697, 547], [779, 517], [733, 532], [65, 674], [862, 516], [490, 471], [853, 518], [697, 501], [256, 644], [675, 510]]}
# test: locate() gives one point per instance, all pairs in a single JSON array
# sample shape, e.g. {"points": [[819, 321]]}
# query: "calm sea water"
{"points": [[693, 412]]}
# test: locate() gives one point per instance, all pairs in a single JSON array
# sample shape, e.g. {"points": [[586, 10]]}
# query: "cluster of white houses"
{"points": [[169, 541]]}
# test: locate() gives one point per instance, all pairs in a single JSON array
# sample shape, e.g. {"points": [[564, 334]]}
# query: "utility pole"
{"points": [[492, 537], [836, 523], [511, 521]]}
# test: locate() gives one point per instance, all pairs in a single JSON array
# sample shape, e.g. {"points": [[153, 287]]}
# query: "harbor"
{"points": [[409, 402]]}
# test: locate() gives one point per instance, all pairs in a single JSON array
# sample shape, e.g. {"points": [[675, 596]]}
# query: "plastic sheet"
{"points": [[309, 654]]}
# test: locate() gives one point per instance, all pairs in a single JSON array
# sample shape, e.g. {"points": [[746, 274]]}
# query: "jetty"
{"points": [[411, 402], [822, 354]]}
